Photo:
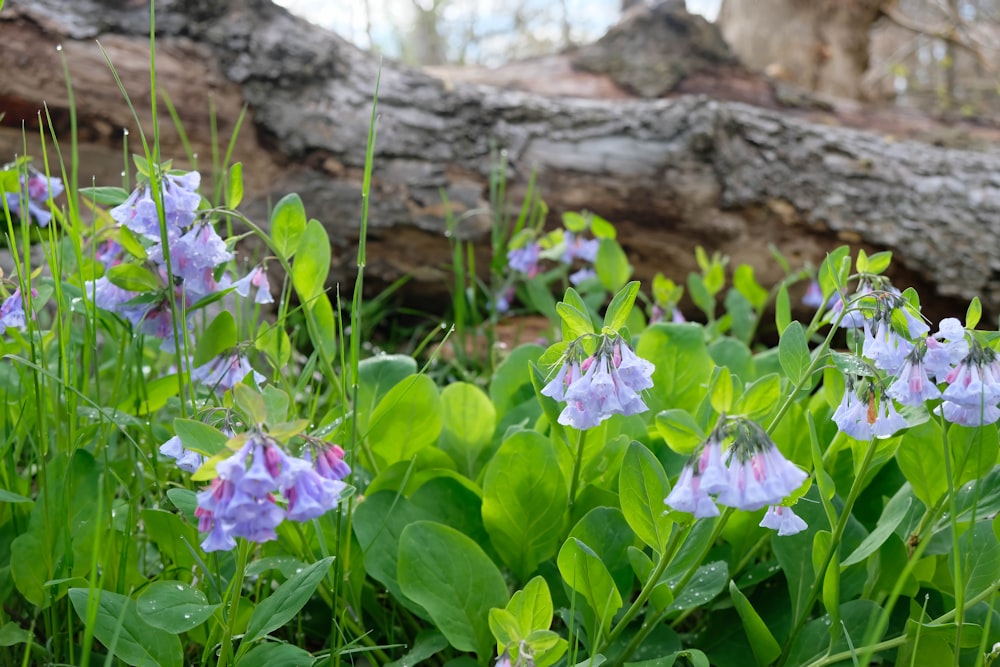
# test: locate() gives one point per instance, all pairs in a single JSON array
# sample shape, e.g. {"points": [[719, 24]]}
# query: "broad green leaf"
{"points": [[813, 641], [284, 603], [219, 337], [709, 580], [249, 401], [921, 459], [200, 437], [682, 365], [377, 375], [525, 502], [511, 385], [155, 396], [892, 516], [607, 530], [746, 283], [642, 486], [721, 392], [661, 596], [288, 223], [321, 324], [312, 262], [453, 500], [980, 553], [407, 419], [973, 452], [691, 655], [378, 523], [762, 642], [427, 643], [701, 295], [833, 271], [172, 536], [760, 398], [782, 309], [620, 306], [680, 431], [273, 341], [468, 422], [880, 261], [575, 323], [532, 607], [583, 571], [133, 278], [234, 193], [173, 606], [11, 497], [974, 313], [793, 352], [119, 627], [12, 634], [450, 576], [276, 402], [612, 266], [273, 654]]}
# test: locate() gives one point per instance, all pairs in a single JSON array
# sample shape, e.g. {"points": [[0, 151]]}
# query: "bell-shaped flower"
{"points": [[688, 496], [714, 476], [886, 348], [185, 459], [783, 520], [525, 259], [945, 349], [913, 386]]}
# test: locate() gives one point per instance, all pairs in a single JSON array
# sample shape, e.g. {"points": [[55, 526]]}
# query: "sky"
{"points": [[391, 18]]}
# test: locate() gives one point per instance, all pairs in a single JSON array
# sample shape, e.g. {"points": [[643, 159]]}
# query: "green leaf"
{"points": [[601, 228], [234, 193], [575, 323], [131, 243], [119, 627], [620, 306], [532, 607], [760, 398], [200, 437], [273, 341], [980, 554], [377, 375], [574, 222], [612, 266], [407, 419], [583, 571], [249, 401], [880, 261], [11, 497], [861, 265], [782, 309], [276, 402], [607, 530], [682, 365], [288, 222], [312, 262], [746, 284], [921, 459], [468, 422], [219, 337], [133, 278], [721, 392], [273, 654], [172, 536], [642, 486], [833, 271], [680, 431], [322, 325], [428, 642], [661, 596], [525, 501], [173, 606], [708, 581], [104, 196], [157, 393], [793, 352], [891, 518], [285, 602], [700, 295], [450, 576], [765, 647], [974, 313]]}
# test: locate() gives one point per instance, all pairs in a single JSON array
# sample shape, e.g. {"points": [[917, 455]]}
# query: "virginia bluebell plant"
{"points": [[39, 191]]}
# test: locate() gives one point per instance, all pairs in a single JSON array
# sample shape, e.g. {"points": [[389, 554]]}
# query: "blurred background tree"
{"points": [[933, 55]]}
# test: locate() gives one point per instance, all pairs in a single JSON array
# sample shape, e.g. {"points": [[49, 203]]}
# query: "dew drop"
{"points": [[123, 174], [187, 615], [58, 47], [125, 131], [297, 570], [179, 587]]}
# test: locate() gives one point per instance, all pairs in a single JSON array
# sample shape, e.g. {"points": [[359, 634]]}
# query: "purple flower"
{"points": [[913, 387], [40, 191], [851, 416], [945, 349], [311, 495], [814, 295], [866, 416], [12, 314], [968, 415], [886, 348], [256, 278], [180, 203], [611, 383], [854, 317], [525, 259], [194, 257], [688, 496], [186, 459], [585, 249], [759, 474], [330, 463], [975, 381], [585, 273], [225, 371], [783, 520], [713, 474]]}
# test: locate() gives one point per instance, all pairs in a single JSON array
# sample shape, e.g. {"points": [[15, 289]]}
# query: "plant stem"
{"points": [[577, 465], [233, 603]]}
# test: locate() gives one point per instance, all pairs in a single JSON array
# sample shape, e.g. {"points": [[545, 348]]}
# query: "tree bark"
{"points": [[821, 45], [671, 173]]}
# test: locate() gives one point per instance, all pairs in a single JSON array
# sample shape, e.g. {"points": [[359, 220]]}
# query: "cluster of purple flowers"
{"points": [[196, 256], [914, 362], [525, 260], [40, 190], [748, 474], [243, 501], [608, 382]]}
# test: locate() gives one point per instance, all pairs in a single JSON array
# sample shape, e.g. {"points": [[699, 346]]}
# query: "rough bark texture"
{"points": [[671, 173]]}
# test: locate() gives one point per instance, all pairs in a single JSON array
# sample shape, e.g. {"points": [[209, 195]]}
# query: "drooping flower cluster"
{"points": [[186, 257], [743, 468], [260, 486], [12, 315], [595, 386], [40, 191]]}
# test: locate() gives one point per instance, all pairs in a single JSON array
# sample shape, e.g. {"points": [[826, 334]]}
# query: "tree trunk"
{"points": [[672, 173], [821, 45]]}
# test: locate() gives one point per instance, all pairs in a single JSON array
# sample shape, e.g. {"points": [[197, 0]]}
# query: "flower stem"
{"points": [[577, 466], [233, 603]]}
